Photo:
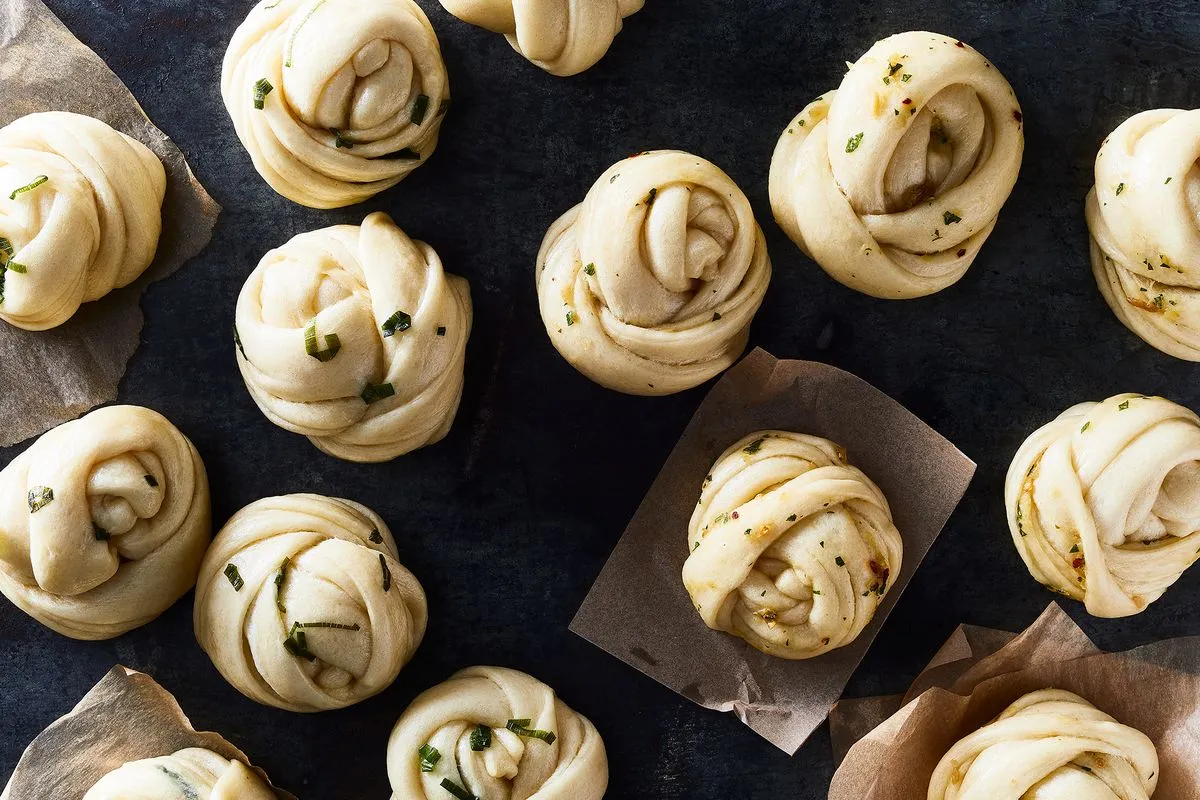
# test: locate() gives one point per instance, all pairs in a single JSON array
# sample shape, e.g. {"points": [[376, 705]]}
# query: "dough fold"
{"points": [[563, 37], [1145, 237], [649, 286], [103, 522], [355, 337], [191, 774], [1104, 502], [335, 100], [893, 182], [302, 603], [466, 731], [80, 215], [1049, 745], [791, 548]]}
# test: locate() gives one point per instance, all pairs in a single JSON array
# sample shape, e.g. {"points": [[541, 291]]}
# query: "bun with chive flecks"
{"points": [[302, 603], [335, 100], [80, 215], [103, 522], [791, 548], [563, 37], [649, 286], [893, 182], [495, 733], [355, 337], [1104, 501], [1145, 238], [192, 773]]}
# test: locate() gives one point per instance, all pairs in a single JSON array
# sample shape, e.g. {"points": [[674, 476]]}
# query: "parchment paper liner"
{"points": [[1155, 688], [638, 609], [49, 377], [125, 717]]}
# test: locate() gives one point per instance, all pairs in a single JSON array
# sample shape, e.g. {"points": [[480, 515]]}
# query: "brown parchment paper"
{"points": [[49, 377], [638, 609], [125, 717], [1155, 689]]}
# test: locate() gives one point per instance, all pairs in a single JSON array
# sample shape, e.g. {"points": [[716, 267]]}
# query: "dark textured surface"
{"points": [[508, 520]]}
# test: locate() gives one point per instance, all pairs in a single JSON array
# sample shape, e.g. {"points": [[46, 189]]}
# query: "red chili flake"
{"points": [[881, 572], [962, 252], [907, 101], [734, 515], [1018, 116], [1077, 563], [959, 44]]}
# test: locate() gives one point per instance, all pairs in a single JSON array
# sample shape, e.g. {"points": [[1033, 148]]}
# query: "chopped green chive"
{"points": [[291, 42], [39, 497], [1086, 425], [237, 340], [1123, 406], [376, 537], [420, 108], [340, 626], [841, 562], [100, 534], [280, 579], [716, 316], [441, 331], [429, 757], [651, 197], [853, 142], [1120, 188], [29, 187], [590, 269], [340, 141], [1168, 180], [791, 518], [1074, 548], [396, 323], [262, 88], [481, 738], [456, 790], [235, 577], [387, 574], [754, 446], [151, 481], [297, 644], [905, 78], [950, 218], [312, 346], [407, 154], [571, 318], [377, 391], [521, 728]]}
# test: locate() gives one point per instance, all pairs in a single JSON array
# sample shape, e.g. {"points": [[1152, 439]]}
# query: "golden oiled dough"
{"points": [[87, 221], [1104, 501], [563, 37], [355, 337], [893, 182], [791, 548], [191, 774], [1143, 214], [302, 603], [574, 766], [103, 522], [352, 94], [649, 286], [1049, 745]]}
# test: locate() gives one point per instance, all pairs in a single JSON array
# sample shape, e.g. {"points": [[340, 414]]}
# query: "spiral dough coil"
{"points": [[191, 774], [103, 522], [302, 603], [499, 734], [356, 338], [1142, 214], [563, 37], [1049, 745], [791, 548], [335, 100], [893, 182], [80, 215], [1104, 502], [649, 286]]}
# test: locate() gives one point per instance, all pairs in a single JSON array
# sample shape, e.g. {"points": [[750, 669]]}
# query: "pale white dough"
{"points": [[355, 337], [88, 222], [893, 182], [791, 548], [353, 98], [302, 603], [1104, 502], [649, 286], [1049, 745], [103, 522], [563, 37], [1144, 217], [513, 767], [191, 774]]}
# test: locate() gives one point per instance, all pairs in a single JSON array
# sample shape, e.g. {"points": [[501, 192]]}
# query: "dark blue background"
{"points": [[509, 519]]}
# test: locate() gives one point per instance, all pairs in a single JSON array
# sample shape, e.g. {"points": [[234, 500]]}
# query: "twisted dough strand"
{"points": [[573, 766], [1049, 745], [563, 37], [103, 522], [1104, 502], [316, 613], [1145, 243], [397, 320], [893, 182], [649, 286], [88, 222], [191, 774], [353, 97], [792, 548]]}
